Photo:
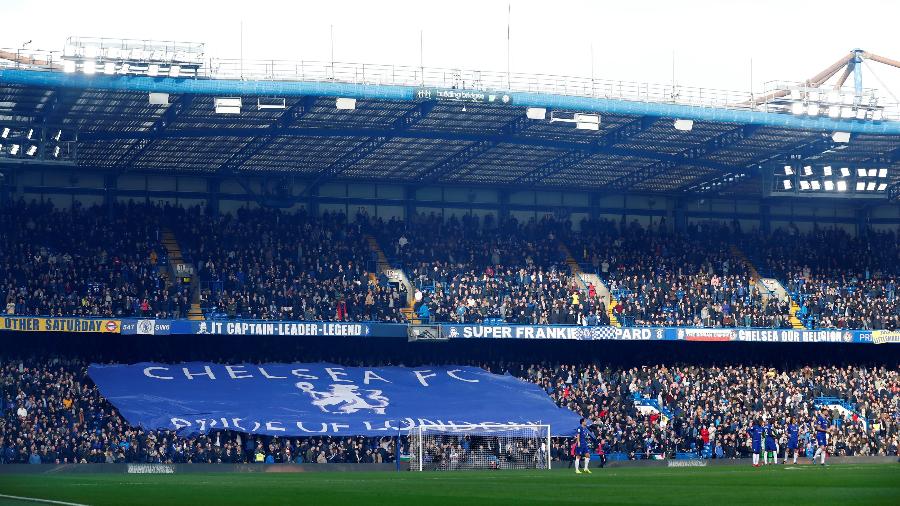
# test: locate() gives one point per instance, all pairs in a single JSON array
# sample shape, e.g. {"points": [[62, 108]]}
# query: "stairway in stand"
{"points": [[173, 251], [384, 266], [580, 276], [770, 287]]}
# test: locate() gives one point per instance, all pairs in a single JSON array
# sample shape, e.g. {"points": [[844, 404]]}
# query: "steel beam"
{"points": [[259, 143], [692, 155], [496, 138], [573, 158], [472, 151], [401, 124], [160, 126]]}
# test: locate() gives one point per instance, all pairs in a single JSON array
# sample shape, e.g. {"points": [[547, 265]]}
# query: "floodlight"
{"points": [[797, 108], [813, 110], [68, 66], [153, 70], [345, 104], [848, 98], [795, 94], [807, 170], [834, 111], [32, 150], [860, 172], [847, 112], [265, 103], [56, 152], [174, 70], [30, 133], [536, 113], [227, 105], [860, 113], [882, 187], [871, 186], [873, 172], [829, 185], [788, 170], [841, 137], [5, 133], [882, 172], [787, 184], [125, 68], [587, 118], [813, 96], [834, 97], [877, 115], [816, 185], [159, 98], [686, 125], [804, 184], [89, 67], [109, 68], [845, 172], [826, 170], [842, 186], [14, 149], [860, 186]]}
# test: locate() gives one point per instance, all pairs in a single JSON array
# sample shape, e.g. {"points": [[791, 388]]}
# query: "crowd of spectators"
{"points": [[84, 262], [712, 407], [273, 264], [53, 413], [838, 280], [473, 271], [676, 279], [268, 264]]}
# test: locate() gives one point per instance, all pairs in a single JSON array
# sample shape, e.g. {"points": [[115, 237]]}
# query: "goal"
{"points": [[479, 446]]}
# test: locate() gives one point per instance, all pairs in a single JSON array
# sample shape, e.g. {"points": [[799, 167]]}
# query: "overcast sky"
{"points": [[713, 41]]}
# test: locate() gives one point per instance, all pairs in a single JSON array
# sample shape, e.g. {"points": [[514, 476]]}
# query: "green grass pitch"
{"points": [[729, 485]]}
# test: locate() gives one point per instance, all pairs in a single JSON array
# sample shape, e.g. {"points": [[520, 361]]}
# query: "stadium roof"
{"points": [[423, 126]]}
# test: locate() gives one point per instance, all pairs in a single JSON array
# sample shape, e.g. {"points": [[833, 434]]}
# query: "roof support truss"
{"points": [[693, 155], [471, 152], [401, 124], [159, 127], [573, 158]]}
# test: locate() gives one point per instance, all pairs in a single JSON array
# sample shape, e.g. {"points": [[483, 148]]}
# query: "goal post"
{"points": [[479, 446]]}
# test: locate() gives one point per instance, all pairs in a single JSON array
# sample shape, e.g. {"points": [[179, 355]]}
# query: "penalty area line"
{"points": [[40, 501]]}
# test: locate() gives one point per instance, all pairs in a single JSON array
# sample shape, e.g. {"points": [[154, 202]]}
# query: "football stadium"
{"points": [[648, 259]]}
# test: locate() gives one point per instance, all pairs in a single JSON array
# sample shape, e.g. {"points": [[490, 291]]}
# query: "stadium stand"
{"points": [[85, 262], [265, 264], [52, 412]]}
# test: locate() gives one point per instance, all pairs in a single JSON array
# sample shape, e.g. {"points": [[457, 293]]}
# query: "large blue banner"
{"points": [[321, 399]]}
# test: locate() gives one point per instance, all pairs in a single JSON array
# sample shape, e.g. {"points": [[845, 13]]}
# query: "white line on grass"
{"points": [[42, 501]]}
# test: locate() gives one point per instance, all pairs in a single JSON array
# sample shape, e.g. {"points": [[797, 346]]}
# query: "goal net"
{"points": [[481, 446]]}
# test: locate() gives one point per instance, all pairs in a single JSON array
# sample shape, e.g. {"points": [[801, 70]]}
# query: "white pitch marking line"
{"points": [[42, 501]]}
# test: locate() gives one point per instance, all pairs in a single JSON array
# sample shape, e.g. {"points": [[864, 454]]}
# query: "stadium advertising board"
{"points": [[472, 96], [33, 324], [656, 334], [303, 399], [160, 327], [886, 336]]}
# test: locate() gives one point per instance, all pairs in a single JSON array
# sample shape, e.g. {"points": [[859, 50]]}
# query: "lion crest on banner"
{"points": [[345, 399]]}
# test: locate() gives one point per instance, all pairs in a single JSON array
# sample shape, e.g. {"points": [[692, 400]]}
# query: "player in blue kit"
{"points": [[583, 438], [756, 435], [792, 430], [771, 444], [821, 428]]}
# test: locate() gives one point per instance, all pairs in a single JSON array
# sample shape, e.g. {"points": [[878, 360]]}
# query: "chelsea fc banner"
{"points": [[321, 399]]}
